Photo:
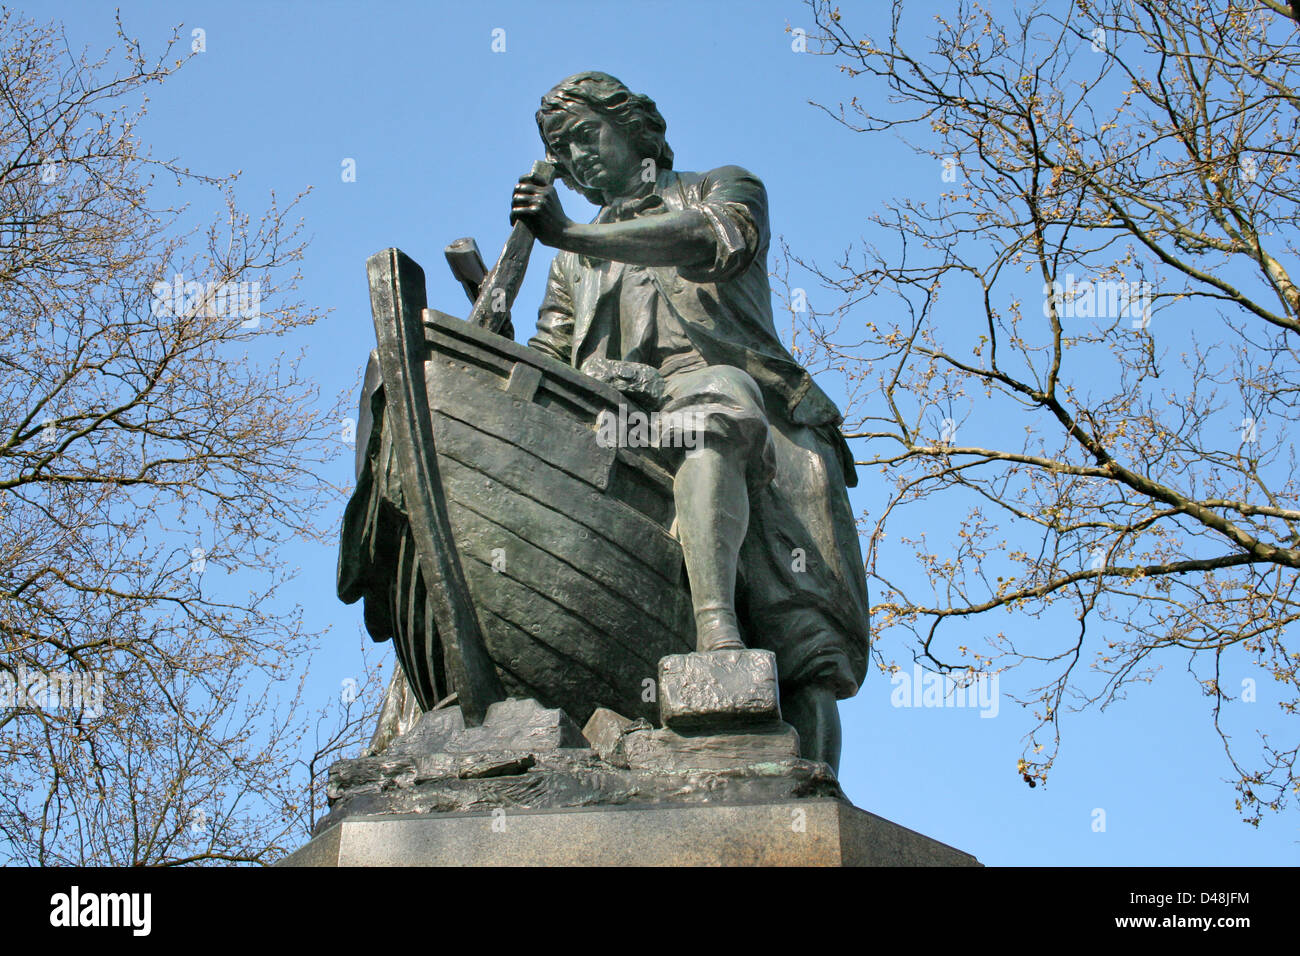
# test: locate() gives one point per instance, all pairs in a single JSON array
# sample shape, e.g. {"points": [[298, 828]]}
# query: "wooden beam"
{"points": [[501, 285], [397, 300]]}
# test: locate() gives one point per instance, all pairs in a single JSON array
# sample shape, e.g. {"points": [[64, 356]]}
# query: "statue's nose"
{"points": [[578, 154]]}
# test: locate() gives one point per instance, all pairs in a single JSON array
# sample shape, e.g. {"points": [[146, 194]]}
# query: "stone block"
{"points": [[605, 731], [479, 766], [718, 690], [667, 751], [520, 725], [429, 735]]}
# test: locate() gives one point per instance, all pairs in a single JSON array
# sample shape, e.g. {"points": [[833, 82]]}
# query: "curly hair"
{"points": [[634, 113]]}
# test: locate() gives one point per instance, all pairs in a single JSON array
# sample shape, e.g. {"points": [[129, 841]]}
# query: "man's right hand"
{"points": [[537, 206]]}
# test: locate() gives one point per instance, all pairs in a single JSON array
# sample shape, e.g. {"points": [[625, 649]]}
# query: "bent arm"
{"points": [[682, 238]]}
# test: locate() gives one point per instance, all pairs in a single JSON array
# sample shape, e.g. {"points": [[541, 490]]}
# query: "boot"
{"points": [[813, 711], [712, 518]]}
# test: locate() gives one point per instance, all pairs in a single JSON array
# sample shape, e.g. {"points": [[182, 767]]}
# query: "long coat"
{"points": [[802, 587]]}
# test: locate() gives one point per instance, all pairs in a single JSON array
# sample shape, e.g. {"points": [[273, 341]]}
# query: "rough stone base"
{"points": [[666, 750], [807, 832], [524, 789], [511, 782]]}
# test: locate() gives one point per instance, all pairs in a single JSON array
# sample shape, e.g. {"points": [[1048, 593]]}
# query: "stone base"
{"points": [[511, 782], [525, 789], [526, 757], [807, 832]]}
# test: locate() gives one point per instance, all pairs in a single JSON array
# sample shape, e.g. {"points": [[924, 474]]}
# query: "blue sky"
{"points": [[440, 126]]}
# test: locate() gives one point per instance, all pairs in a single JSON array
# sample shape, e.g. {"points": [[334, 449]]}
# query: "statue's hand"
{"points": [[641, 383], [538, 207]]}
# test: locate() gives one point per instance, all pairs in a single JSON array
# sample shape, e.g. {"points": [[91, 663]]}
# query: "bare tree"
{"points": [[1084, 343], [151, 714]]}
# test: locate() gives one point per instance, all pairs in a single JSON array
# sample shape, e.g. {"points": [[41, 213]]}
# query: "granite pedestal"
{"points": [[722, 783], [813, 832]]}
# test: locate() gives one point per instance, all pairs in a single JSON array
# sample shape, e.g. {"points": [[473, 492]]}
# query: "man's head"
{"points": [[599, 132]]}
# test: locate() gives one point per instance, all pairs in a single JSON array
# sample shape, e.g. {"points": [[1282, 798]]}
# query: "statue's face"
{"points": [[597, 153]]}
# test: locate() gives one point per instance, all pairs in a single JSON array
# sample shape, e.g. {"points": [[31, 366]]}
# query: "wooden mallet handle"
{"points": [[500, 286]]}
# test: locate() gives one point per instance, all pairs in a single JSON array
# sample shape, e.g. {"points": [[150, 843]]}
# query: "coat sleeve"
{"points": [[734, 201], [555, 317]]}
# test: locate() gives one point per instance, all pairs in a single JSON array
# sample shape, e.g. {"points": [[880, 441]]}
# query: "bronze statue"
{"points": [[660, 305]]}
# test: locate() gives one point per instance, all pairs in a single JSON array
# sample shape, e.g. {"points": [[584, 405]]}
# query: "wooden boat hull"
{"points": [[566, 545]]}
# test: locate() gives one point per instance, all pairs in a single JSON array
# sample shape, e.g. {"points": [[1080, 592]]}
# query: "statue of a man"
{"points": [[672, 274]]}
